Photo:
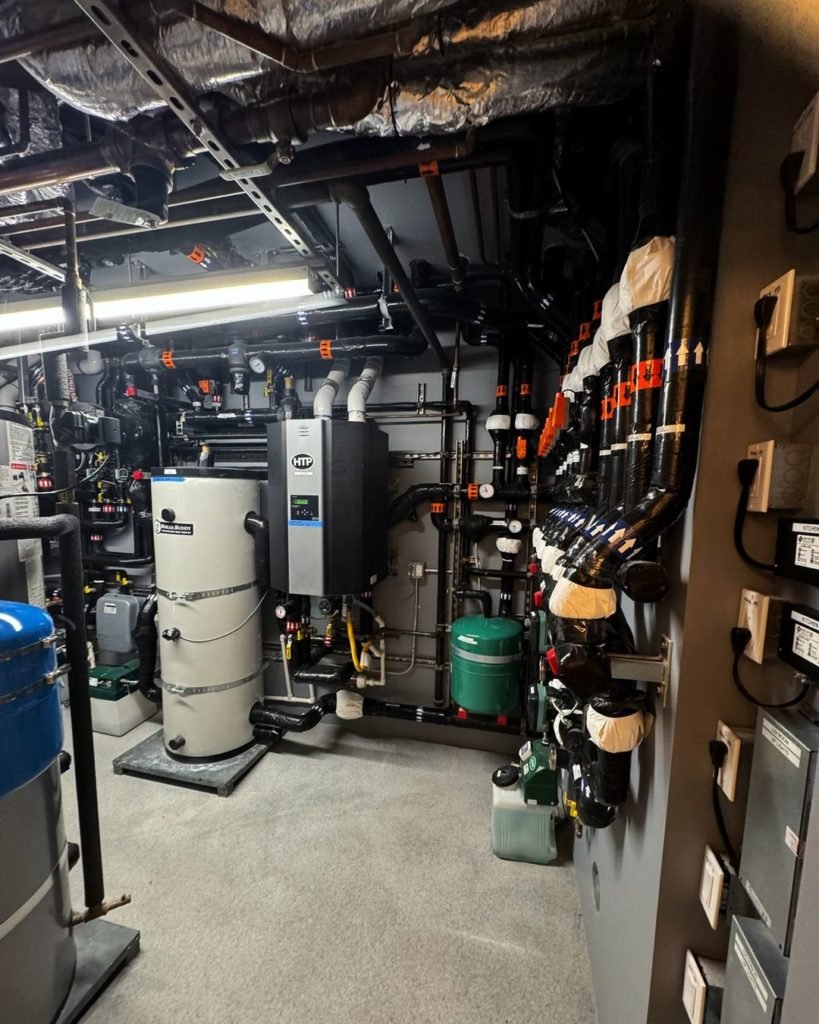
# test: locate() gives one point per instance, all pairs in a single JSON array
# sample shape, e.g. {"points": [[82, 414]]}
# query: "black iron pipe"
{"points": [[443, 218], [483, 597], [648, 325], [66, 530]]}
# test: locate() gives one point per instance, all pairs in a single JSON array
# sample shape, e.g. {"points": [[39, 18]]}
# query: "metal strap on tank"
{"points": [[192, 691], [35, 899], [487, 659], [47, 680], [18, 652], [200, 595]]}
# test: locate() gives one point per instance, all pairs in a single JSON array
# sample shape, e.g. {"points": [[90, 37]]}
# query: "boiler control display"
{"points": [[304, 508]]}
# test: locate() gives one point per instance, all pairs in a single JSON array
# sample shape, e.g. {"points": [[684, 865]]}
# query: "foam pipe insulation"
{"points": [[467, 68]]}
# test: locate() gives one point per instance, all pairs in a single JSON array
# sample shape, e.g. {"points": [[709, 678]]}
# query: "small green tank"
{"points": [[485, 656]]}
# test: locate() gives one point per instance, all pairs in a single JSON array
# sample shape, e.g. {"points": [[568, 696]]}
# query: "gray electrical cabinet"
{"points": [[779, 803], [755, 975], [327, 506]]}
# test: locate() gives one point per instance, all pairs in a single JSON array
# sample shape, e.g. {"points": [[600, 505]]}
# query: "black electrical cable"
{"points": [[746, 471], [789, 174], [718, 751], [763, 314], [739, 641]]}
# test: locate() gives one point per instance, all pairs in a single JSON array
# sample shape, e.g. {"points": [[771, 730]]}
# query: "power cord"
{"points": [[763, 314], [718, 751], [789, 175], [739, 641], [746, 471]]}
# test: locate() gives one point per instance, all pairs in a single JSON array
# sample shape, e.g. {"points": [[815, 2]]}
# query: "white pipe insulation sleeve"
{"points": [[526, 421], [509, 545], [573, 601], [646, 277], [91, 362], [618, 735], [584, 363], [613, 318], [325, 396], [572, 383], [360, 391], [498, 421], [549, 556], [349, 705]]}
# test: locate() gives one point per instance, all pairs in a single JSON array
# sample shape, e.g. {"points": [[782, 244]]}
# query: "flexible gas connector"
{"points": [[351, 638]]}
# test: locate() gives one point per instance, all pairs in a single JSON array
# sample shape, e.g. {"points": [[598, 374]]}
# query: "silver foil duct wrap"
{"points": [[45, 134], [475, 62]]}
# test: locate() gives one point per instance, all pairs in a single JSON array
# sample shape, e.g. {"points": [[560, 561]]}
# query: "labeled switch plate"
{"points": [[703, 986], [712, 885], [737, 763], [781, 479], [805, 139], [760, 614], [794, 321]]}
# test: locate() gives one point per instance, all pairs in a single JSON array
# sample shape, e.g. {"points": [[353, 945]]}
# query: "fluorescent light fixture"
{"points": [[148, 299]]}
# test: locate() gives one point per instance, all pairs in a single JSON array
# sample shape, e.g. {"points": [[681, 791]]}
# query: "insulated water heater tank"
{"points": [[209, 602], [486, 659], [37, 953]]}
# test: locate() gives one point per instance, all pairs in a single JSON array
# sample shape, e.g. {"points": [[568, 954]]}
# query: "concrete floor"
{"points": [[347, 880]]}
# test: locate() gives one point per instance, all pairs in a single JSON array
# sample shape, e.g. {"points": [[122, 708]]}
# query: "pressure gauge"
{"points": [[257, 365], [486, 491], [281, 611], [514, 526]]}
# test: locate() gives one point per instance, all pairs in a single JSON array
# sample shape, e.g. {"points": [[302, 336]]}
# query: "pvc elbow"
{"points": [[325, 396], [361, 390]]}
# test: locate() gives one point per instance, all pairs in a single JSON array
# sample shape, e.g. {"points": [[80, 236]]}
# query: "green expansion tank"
{"points": [[485, 657]]}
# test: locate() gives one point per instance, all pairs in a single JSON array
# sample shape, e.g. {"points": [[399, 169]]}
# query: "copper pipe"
{"points": [[72, 163], [443, 218]]}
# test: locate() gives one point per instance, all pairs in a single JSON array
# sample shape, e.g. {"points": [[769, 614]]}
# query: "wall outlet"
{"points": [[805, 139], [712, 887], [761, 614], [703, 985], [794, 321], [782, 476], [736, 768]]}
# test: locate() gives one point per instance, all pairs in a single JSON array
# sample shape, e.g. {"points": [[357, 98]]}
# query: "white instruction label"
{"points": [[806, 637], [35, 585], [783, 744], [20, 479], [792, 840], [807, 550], [757, 984], [757, 902]]}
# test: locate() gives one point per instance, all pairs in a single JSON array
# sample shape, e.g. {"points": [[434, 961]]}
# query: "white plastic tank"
{"points": [[209, 603]]}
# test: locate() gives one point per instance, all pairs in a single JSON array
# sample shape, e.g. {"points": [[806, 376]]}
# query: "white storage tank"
{"points": [[209, 609]]}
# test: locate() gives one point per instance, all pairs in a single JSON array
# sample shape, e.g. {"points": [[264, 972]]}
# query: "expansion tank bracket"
{"points": [[646, 668]]}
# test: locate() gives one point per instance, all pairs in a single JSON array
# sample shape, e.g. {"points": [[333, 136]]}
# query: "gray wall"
{"points": [[649, 862]]}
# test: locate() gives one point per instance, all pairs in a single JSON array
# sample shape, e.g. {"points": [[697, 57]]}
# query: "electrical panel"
{"points": [[755, 975], [794, 321], [781, 479], [799, 639], [327, 506], [779, 799], [797, 549]]}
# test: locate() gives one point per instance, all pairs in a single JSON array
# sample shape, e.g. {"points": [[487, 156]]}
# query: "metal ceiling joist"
{"points": [[169, 86]]}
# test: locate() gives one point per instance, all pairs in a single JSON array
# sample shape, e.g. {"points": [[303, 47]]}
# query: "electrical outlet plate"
{"points": [[794, 321], [760, 613], [805, 138], [711, 886], [782, 475], [733, 738]]}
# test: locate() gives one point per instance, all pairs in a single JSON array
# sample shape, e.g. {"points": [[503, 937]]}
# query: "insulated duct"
{"points": [[466, 68]]}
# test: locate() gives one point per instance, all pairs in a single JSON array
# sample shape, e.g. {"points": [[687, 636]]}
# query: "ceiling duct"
{"points": [[470, 63]]}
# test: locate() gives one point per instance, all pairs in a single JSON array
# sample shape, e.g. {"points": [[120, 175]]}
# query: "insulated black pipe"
{"points": [[151, 359], [648, 324], [258, 527], [146, 644], [441, 582], [606, 419], [707, 138], [621, 348], [66, 530], [358, 199], [500, 432]]}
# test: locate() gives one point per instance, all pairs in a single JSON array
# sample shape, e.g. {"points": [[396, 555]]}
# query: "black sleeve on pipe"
{"points": [[146, 644], [406, 504], [483, 597], [258, 527]]}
